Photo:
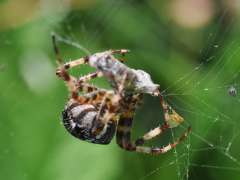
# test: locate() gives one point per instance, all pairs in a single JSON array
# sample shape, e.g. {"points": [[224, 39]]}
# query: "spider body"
{"points": [[97, 114], [79, 120]]}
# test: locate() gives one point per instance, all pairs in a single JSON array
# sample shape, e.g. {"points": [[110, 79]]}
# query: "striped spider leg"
{"points": [[83, 60], [125, 124]]}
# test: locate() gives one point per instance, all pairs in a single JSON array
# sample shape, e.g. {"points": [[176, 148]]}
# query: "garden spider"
{"points": [[96, 114]]}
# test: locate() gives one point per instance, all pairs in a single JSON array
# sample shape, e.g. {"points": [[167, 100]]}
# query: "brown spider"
{"points": [[96, 114]]}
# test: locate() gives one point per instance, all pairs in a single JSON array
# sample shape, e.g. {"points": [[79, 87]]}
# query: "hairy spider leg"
{"points": [[72, 83], [95, 98], [170, 117], [120, 88], [77, 62], [80, 61], [56, 50], [80, 119], [107, 112], [86, 87], [63, 67], [151, 134], [109, 108], [124, 134], [164, 149], [124, 137], [121, 52], [70, 64], [74, 86]]}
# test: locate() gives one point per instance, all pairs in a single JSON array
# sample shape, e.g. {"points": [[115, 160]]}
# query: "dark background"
{"points": [[190, 48]]}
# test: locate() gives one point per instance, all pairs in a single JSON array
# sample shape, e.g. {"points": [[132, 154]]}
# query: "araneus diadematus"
{"points": [[96, 114]]}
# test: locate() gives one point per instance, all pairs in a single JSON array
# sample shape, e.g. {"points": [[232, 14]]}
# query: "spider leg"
{"points": [[68, 65], [90, 76], [72, 83], [83, 60], [162, 150], [171, 117], [171, 120], [94, 98], [88, 88], [121, 52], [151, 134], [85, 87], [124, 136], [62, 72], [108, 111], [75, 86], [56, 50]]}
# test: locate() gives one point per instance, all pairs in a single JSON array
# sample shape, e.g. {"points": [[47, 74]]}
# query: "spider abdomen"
{"points": [[81, 120]]}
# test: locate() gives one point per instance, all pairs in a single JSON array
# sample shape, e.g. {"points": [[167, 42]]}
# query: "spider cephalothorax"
{"points": [[96, 114]]}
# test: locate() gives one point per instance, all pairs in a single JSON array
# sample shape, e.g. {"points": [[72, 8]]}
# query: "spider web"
{"points": [[219, 135], [199, 92], [222, 145]]}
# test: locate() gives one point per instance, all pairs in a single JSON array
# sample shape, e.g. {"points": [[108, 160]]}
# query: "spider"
{"points": [[95, 114]]}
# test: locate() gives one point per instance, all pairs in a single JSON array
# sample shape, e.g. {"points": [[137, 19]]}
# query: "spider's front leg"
{"points": [[66, 66], [80, 61], [72, 83]]}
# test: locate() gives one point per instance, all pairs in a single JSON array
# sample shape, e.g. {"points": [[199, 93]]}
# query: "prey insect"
{"points": [[96, 114]]}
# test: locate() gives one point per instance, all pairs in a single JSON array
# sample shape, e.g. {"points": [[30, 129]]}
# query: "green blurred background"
{"points": [[190, 47]]}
